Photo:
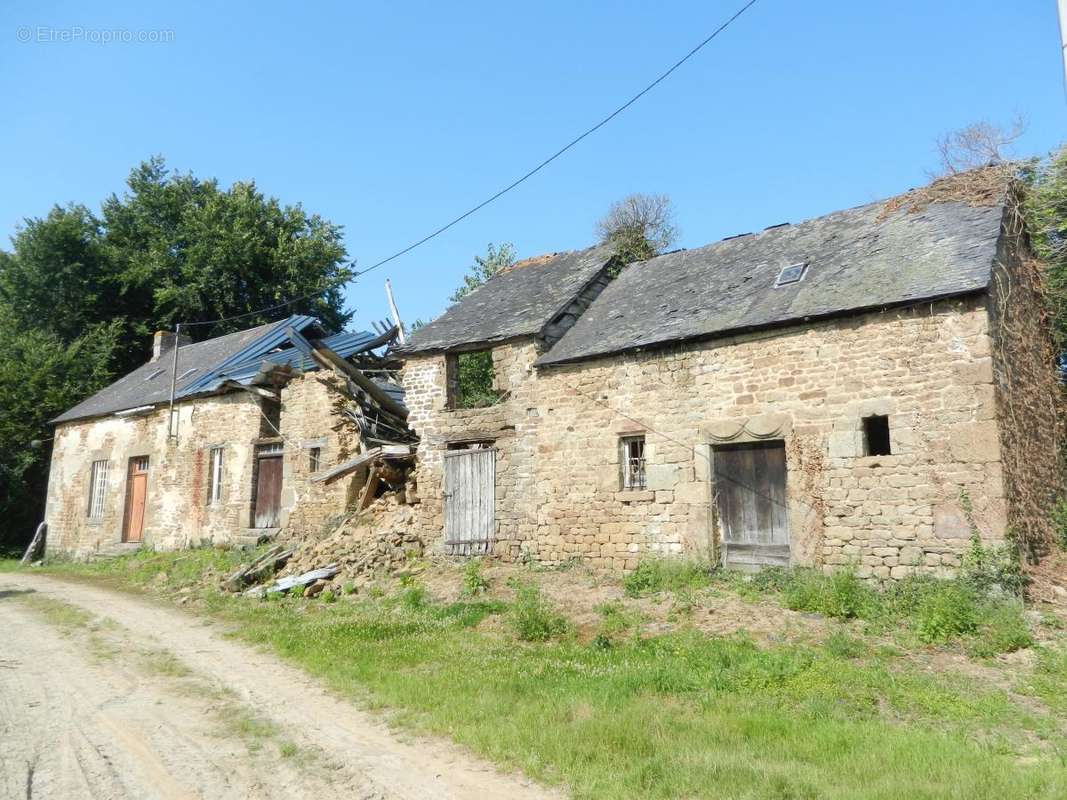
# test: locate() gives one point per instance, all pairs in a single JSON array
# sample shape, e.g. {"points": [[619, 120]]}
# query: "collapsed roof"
{"points": [[207, 367]]}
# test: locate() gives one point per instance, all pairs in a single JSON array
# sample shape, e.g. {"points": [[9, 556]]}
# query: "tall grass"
{"points": [[680, 714]]}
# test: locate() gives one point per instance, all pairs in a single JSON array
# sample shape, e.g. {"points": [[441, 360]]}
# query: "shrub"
{"points": [[532, 618], [949, 609], [840, 595], [993, 569], [348, 588], [296, 591], [474, 583], [666, 574], [328, 596], [1003, 630]]}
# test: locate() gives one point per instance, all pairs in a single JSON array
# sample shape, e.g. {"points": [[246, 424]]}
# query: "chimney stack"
{"points": [[163, 343]]}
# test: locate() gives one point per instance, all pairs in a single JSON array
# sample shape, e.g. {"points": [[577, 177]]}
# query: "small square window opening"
{"points": [[633, 462], [315, 459], [876, 436]]}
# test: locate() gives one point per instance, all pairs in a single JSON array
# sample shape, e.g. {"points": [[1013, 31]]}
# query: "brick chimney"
{"points": [[163, 343]]}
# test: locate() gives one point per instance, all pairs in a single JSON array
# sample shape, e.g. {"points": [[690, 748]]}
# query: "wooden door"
{"points": [[470, 500], [136, 499], [268, 502], [751, 504]]}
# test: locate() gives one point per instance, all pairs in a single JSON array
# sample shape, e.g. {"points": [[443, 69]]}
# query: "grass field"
{"points": [[624, 709]]}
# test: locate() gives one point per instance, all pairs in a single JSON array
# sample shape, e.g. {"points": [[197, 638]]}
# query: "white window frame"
{"points": [[215, 461], [632, 459], [98, 475]]}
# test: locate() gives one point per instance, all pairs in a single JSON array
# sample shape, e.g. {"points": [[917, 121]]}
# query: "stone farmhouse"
{"points": [[872, 387], [258, 418]]}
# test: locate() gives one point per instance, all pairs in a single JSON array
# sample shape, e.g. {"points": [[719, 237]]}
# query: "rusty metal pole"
{"points": [[172, 429]]}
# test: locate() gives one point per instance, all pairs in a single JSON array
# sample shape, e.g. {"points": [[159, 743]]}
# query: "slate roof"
{"points": [[207, 365], [518, 302], [862, 258]]}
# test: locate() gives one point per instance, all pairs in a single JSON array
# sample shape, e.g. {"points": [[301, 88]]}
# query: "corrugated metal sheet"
{"points": [[236, 357]]}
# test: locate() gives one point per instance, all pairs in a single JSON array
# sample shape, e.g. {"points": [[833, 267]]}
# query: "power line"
{"points": [[707, 40]]}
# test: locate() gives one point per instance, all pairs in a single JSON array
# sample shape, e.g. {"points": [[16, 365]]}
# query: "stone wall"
{"points": [[929, 368], [177, 512], [309, 420]]}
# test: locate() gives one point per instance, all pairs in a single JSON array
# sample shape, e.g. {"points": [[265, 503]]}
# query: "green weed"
{"points": [[532, 618], [840, 595], [474, 583], [666, 574]]}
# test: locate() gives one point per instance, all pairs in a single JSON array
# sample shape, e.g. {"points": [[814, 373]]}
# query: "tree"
{"points": [[81, 293], [977, 145], [40, 377], [484, 268], [640, 226]]}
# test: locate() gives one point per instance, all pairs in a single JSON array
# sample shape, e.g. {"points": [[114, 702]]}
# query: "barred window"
{"points": [[633, 462], [98, 488], [215, 485], [314, 459]]}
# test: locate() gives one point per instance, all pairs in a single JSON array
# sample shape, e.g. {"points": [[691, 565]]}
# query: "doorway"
{"points": [[136, 499], [751, 504], [266, 512], [469, 493]]}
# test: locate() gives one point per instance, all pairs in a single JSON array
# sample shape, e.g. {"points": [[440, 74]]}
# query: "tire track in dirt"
{"points": [[82, 717]]}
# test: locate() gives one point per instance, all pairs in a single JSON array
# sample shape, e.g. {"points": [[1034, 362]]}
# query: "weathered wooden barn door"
{"points": [[268, 502], [136, 498], [751, 504], [470, 500]]}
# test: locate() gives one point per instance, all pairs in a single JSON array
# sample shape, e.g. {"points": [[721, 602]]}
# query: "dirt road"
{"points": [[103, 695]]}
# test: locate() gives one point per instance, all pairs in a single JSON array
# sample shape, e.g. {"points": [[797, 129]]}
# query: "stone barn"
{"points": [[872, 387], [260, 418]]}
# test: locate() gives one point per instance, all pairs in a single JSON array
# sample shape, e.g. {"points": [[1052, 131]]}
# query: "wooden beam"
{"points": [[329, 359], [385, 451], [373, 478], [347, 466]]}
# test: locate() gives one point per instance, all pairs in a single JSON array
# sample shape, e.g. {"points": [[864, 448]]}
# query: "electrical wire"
{"points": [[437, 232]]}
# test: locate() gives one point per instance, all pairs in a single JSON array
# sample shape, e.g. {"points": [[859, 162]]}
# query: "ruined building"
{"points": [[259, 419], [870, 387]]}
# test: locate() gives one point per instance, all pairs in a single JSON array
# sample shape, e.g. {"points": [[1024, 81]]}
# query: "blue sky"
{"points": [[391, 119]]}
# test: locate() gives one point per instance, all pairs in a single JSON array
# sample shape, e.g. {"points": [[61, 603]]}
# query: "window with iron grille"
{"points": [[98, 488], [633, 462], [314, 459], [214, 496]]}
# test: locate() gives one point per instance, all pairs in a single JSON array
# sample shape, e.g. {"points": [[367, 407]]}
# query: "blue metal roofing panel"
{"points": [[345, 344], [274, 338]]}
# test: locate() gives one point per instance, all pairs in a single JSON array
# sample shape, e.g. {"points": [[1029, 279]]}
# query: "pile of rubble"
{"points": [[382, 539]]}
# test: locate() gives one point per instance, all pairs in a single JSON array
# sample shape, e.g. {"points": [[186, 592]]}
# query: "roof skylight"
{"points": [[791, 274]]}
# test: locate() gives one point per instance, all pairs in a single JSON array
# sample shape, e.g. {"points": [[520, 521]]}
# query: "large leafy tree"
{"points": [[81, 293]]}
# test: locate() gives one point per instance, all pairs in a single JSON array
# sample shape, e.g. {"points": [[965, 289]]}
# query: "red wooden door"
{"points": [[268, 491], [136, 498]]}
